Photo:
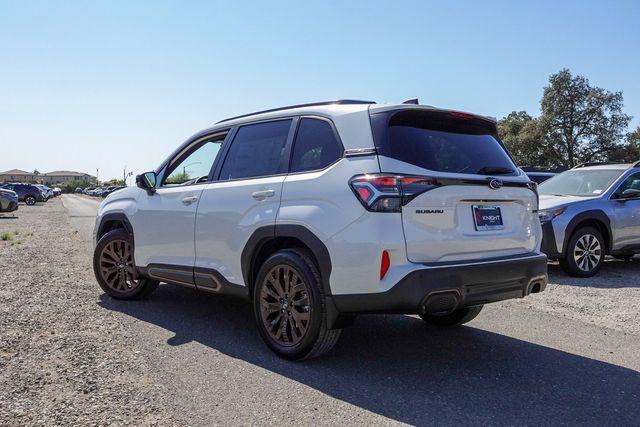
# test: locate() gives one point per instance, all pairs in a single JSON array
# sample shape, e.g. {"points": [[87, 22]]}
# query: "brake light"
{"points": [[388, 193], [461, 115]]}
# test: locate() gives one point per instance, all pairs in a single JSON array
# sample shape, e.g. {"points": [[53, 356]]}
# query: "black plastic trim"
{"points": [[476, 284], [210, 280], [627, 250], [549, 246], [263, 235], [595, 214], [173, 274], [115, 216], [202, 279]]}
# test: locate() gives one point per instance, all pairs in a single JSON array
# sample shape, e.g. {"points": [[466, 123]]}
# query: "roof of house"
{"points": [[16, 172], [65, 173]]}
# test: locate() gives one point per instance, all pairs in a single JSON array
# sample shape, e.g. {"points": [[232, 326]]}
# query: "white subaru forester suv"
{"points": [[318, 212]]}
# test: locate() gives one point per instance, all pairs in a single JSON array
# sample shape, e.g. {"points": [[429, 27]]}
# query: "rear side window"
{"points": [[442, 141], [316, 146], [257, 150]]}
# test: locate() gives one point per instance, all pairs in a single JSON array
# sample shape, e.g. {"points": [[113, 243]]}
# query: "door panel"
{"points": [[164, 226], [627, 224], [228, 213], [626, 230], [245, 197]]}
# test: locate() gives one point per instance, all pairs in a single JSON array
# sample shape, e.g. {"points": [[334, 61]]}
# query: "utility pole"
{"points": [[97, 176], [126, 175]]}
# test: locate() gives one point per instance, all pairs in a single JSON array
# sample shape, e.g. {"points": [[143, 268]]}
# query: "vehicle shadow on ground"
{"points": [[398, 367], [614, 273]]}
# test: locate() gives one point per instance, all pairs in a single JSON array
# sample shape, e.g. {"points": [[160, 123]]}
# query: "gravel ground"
{"points": [[610, 299], [64, 360]]}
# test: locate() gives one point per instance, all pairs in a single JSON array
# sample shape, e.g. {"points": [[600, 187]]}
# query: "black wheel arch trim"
{"points": [[594, 214], [115, 216], [263, 235]]}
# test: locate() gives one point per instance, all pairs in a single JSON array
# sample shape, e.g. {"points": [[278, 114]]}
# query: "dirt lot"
{"points": [[65, 359], [610, 299]]}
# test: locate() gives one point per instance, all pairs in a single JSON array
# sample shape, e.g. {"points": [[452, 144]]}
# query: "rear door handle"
{"points": [[263, 194], [189, 199]]}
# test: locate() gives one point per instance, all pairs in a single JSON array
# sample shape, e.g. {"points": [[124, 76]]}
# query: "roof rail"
{"points": [[636, 164], [313, 104], [584, 165]]}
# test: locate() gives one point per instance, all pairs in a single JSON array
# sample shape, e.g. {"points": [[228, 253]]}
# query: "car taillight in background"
{"points": [[388, 193]]}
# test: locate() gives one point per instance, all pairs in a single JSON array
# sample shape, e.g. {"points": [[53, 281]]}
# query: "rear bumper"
{"points": [[440, 288]]}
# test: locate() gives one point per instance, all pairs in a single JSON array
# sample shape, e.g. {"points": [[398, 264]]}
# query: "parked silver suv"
{"points": [[588, 212]]}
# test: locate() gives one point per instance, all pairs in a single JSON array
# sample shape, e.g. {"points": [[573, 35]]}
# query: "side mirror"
{"points": [[147, 181], [631, 193]]}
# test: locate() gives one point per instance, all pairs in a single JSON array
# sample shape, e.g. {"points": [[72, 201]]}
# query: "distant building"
{"points": [[50, 178], [17, 175], [60, 177]]}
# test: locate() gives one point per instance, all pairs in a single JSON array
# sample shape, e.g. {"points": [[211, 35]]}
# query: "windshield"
{"points": [[580, 182], [441, 141]]}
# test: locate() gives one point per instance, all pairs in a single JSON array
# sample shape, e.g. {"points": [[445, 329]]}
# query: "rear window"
{"points": [[441, 141], [315, 146], [257, 150]]}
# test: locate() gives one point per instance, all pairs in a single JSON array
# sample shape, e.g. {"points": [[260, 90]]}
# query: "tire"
{"points": [[114, 268], [30, 200], [292, 318], [584, 266], [458, 317]]}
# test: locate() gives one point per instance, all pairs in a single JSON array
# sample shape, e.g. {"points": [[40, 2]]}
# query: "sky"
{"points": [[108, 85]]}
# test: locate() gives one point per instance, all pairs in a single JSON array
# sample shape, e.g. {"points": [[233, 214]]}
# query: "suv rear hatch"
{"points": [[462, 196]]}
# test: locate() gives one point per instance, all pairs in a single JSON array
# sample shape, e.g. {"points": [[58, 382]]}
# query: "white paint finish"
{"points": [[164, 226], [356, 253], [227, 216], [451, 235], [323, 201]]}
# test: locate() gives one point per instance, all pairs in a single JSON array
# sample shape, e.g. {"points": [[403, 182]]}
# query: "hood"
{"points": [[548, 201]]}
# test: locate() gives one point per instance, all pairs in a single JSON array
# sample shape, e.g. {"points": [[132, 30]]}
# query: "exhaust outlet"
{"points": [[442, 302], [536, 285]]}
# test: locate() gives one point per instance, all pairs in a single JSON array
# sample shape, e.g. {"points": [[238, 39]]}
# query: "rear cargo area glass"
{"points": [[441, 141]]}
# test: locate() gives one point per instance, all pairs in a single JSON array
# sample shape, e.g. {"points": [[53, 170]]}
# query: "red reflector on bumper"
{"points": [[384, 264]]}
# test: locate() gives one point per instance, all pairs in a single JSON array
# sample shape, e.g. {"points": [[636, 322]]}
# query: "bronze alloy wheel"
{"points": [[116, 266], [284, 305]]}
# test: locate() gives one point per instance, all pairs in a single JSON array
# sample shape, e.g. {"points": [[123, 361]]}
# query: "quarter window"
{"points": [[316, 146], [257, 150]]}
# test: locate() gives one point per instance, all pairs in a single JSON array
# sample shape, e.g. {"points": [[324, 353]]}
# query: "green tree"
{"points": [[522, 136], [580, 122], [629, 151], [178, 178]]}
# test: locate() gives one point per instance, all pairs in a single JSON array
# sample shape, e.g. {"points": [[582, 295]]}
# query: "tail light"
{"points": [[388, 193]]}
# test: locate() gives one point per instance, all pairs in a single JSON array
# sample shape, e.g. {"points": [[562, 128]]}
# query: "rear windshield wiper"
{"points": [[494, 170]]}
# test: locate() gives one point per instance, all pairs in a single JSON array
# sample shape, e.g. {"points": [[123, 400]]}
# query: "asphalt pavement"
{"points": [[511, 365]]}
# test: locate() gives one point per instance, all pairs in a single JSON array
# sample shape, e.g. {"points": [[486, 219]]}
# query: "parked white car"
{"points": [[323, 211]]}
